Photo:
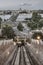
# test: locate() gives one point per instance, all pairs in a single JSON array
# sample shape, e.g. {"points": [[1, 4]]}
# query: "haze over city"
{"points": [[24, 4]]}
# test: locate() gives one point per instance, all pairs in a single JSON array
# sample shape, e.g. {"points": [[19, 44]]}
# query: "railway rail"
{"points": [[22, 56]]}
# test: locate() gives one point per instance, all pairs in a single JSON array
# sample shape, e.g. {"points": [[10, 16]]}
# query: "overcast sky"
{"points": [[24, 4]]}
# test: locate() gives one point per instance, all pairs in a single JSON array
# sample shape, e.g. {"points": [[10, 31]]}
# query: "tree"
{"points": [[36, 17], [34, 23], [29, 24], [8, 32], [0, 21], [41, 23], [20, 27], [36, 34]]}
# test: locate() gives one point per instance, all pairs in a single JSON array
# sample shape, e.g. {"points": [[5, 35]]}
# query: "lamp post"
{"points": [[38, 39], [38, 42]]}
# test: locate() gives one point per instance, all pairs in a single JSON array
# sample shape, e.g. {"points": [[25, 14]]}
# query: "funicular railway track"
{"points": [[14, 56], [22, 56], [33, 60], [11, 59]]}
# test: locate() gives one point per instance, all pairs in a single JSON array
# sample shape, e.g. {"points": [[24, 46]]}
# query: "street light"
{"points": [[38, 42], [38, 37]]}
